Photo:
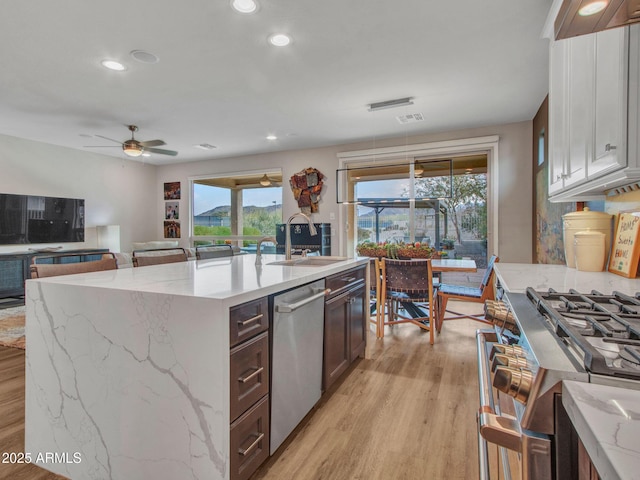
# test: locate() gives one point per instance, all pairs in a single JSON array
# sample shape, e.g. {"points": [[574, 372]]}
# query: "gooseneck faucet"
{"points": [[259, 246], [287, 233]]}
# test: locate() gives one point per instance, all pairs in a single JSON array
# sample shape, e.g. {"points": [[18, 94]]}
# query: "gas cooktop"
{"points": [[603, 330]]}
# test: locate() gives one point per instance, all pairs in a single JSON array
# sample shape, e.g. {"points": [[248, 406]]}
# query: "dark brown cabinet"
{"points": [[344, 323], [249, 388]]}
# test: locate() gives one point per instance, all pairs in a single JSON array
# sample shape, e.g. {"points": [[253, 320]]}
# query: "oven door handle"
{"points": [[493, 428]]}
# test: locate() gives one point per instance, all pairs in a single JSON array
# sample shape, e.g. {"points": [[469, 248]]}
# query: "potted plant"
{"points": [[447, 243], [399, 250]]}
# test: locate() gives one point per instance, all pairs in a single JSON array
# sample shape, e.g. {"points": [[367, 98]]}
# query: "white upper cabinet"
{"points": [[611, 67], [588, 91]]}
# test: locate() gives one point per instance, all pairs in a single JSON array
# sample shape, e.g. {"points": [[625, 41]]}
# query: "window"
{"points": [[236, 208], [440, 202]]}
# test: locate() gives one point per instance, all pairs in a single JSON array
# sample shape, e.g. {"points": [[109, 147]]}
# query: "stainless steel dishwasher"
{"points": [[296, 367]]}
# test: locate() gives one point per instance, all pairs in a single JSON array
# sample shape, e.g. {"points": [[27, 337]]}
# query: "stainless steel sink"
{"points": [[309, 261]]}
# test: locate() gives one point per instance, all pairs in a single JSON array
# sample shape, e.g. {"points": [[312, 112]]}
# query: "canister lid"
{"points": [[586, 214], [589, 234]]}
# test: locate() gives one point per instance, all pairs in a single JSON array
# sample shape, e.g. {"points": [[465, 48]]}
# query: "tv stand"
{"points": [[14, 270]]}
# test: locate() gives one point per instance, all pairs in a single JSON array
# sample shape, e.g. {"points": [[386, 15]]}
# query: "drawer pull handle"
{"points": [[244, 323], [252, 446], [257, 371]]}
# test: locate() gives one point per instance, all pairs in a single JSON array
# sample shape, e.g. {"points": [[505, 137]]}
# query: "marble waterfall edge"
{"points": [[123, 384]]}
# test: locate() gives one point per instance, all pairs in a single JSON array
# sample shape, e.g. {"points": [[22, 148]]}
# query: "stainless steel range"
{"points": [[540, 339]]}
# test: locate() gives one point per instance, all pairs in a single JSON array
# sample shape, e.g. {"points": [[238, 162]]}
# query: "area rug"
{"points": [[12, 327]]}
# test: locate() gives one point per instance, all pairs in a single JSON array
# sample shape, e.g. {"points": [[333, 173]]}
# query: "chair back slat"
{"points": [[213, 251], [142, 258], [42, 270]]}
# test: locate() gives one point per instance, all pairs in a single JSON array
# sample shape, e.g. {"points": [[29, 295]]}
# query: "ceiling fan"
{"points": [[134, 148]]}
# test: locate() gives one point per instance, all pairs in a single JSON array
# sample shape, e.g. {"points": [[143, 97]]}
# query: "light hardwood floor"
{"points": [[406, 411]]}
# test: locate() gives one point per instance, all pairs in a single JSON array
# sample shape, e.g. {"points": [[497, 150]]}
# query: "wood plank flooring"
{"points": [[12, 362], [406, 411]]}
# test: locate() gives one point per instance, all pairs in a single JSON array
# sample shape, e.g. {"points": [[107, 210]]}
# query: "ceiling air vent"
{"points": [[411, 118]]}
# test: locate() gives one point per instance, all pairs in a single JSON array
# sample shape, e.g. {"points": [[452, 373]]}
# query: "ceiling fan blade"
{"points": [[99, 146], [161, 151], [110, 139], [152, 143]]}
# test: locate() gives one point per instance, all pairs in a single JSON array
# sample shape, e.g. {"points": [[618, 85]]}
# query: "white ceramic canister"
{"points": [[581, 221], [590, 251]]}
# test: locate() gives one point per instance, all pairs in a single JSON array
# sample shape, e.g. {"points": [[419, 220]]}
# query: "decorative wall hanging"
{"points": [[306, 187]]}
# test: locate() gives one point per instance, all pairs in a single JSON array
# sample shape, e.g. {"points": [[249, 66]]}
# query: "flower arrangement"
{"points": [[397, 250]]}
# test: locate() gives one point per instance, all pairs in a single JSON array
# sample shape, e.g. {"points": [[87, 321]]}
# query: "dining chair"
{"points": [[204, 252], [407, 293], [43, 265], [463, 293], [143, 258]]}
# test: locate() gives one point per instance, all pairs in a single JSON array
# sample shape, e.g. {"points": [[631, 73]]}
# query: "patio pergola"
{"points": [[379, 204]]}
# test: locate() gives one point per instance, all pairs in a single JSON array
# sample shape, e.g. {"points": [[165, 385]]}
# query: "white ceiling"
{"points": [[467, 63]]}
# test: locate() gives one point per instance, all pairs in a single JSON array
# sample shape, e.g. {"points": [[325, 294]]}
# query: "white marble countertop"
{"points": [[516, 277], [232, 279], [607, 420]]}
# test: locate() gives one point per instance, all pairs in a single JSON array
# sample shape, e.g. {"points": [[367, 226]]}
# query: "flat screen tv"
{"points": [[31, 219]]}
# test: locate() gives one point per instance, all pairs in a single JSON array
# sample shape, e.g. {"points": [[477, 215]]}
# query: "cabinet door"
{"points": [[580, 94], [610, 102], [357, 322], [558, 143], [336, 339]]}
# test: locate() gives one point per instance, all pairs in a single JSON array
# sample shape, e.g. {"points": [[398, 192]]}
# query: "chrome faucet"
{"points": [[287, 233], [259, 246]]}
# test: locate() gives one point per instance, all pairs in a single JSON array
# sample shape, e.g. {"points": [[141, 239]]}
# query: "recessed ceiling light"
{"points": [[113, 65], [144, 57], [271, 137], [279, 40], [592, 8], [244, 6]]}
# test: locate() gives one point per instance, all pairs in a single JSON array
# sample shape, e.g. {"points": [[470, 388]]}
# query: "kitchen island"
{"points": [[128, 371]]}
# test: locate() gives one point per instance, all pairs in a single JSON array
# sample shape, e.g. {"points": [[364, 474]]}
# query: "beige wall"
{"points": [[116, 191], [514, 181], [130, 193]]}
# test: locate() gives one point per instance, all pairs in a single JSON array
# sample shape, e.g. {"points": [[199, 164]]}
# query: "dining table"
{"points": [[454, 265]]}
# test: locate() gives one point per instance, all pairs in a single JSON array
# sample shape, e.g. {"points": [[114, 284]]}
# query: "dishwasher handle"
{"points": [[291, 307]]}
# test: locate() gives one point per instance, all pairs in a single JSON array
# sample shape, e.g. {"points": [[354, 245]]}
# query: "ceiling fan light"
{"points": [[265, 181], [131, 149]]}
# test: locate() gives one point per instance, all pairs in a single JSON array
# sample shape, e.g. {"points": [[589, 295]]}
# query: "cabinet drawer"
{"points": [[249, 374], [248, 320], [343, 281], [250, 441]]}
